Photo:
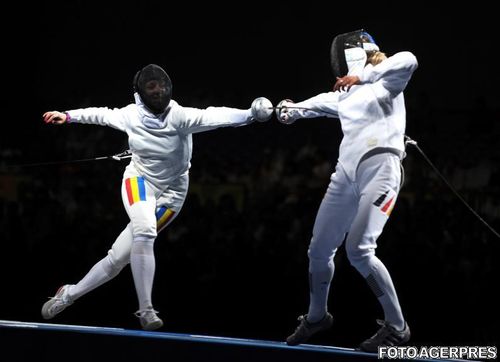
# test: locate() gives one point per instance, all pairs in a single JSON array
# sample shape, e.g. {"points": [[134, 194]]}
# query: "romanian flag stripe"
{"points": [[134, 186], [160, 212], [129, 191], [141, 188], [163, 216], [136, 191]]}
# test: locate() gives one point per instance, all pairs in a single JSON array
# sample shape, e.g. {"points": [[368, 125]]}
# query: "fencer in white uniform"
{"points": [[368, 100], [154, 184]]}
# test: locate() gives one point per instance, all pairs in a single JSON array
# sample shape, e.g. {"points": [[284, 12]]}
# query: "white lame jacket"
{"points": [[372, 114], [161, 145]]}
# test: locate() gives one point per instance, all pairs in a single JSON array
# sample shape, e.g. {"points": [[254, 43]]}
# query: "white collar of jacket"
{"points": [[149, 119], [356, 60]]}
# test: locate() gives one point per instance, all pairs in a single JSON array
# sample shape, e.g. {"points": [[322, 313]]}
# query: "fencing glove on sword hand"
{"points": [[283, 113]]}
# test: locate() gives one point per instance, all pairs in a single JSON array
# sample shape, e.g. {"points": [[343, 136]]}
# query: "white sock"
{"points": [[319, 287], [100, 273], [142, 262], [381, 284]]}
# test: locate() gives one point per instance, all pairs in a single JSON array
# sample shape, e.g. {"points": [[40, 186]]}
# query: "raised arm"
{"points": [[394, 72]]}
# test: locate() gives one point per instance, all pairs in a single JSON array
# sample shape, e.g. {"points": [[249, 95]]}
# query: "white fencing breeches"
{"points": [[359, 209], [150, 211]]}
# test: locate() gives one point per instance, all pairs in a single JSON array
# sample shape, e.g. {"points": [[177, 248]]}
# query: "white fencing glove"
{"points": [[284, 114]]}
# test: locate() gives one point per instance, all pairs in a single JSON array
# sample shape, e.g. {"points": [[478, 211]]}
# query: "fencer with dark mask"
{"points": [[368, 100], [154, 184], [154, 87]]}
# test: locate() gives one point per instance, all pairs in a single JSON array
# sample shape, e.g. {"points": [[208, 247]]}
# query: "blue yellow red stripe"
{"points": [[163, 216], [136, 190]]}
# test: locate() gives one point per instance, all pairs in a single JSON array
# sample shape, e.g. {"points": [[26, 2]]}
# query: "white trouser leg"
{"points": [[139, 199], [142, 262], [107, 268], [378, 179], [147, 223], [150, 210], [332, 222]]}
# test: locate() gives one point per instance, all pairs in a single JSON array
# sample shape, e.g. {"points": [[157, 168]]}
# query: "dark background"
{"points": [[234, 262]]}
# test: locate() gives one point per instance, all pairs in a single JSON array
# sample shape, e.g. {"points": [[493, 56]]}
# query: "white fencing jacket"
{"points": [[372, 114], [161, 145]]}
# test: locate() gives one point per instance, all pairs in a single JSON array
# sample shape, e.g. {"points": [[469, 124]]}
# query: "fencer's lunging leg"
{"points": [[107, 268]]}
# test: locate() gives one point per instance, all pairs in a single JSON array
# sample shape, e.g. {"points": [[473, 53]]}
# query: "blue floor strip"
{"points": [[178, 336], [192, 338]]}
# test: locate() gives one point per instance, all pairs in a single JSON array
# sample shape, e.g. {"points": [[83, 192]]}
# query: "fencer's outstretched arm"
{"points": [[101, 116], [321, 105], [184, 119], [194, 120], [394, 72]]}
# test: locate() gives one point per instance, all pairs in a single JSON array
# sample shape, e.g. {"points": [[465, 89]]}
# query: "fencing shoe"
{"points": [[57, 303], [149, 320], [387, 335], [306, 329]]}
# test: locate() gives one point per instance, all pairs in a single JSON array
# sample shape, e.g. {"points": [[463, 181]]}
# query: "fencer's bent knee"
{"points": [[144, 238], [144, 231], [359, 256], [319, 261], [118, 259]]}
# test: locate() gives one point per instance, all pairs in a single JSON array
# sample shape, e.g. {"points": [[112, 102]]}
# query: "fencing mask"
{"points": [[154, 87], [348, 52]]}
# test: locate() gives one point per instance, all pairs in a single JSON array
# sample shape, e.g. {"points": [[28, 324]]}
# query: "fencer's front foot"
{"points": [[262, 109], [306, 329], [149, 320]]}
